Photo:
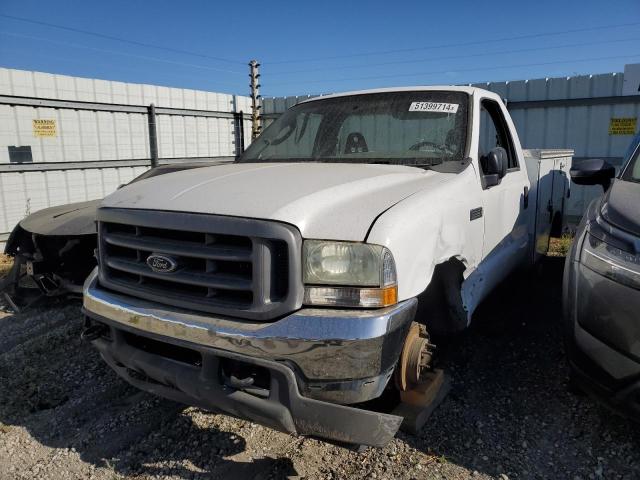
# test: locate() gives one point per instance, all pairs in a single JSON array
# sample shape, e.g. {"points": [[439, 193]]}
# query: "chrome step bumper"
{"points": [[343, 356]]}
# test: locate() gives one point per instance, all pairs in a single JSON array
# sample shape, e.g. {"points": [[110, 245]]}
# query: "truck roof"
{"points": [[451, 88]]}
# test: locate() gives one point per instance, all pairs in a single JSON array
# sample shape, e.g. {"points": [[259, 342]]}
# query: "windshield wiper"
{"points": [[364, 161], [431, 163], [383, 161]]}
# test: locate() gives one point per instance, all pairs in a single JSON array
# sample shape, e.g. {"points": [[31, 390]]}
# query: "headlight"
{"points": [[612, 262], [348, 274]]}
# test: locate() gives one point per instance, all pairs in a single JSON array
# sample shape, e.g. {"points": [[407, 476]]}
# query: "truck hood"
{"points": [[323, 200], [620, 206]]}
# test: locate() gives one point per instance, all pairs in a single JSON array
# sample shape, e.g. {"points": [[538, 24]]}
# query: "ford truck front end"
{"points": [[284, 288]]}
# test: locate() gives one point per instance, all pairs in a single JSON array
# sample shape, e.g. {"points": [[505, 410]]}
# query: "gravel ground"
{"points": [[64, 414]]}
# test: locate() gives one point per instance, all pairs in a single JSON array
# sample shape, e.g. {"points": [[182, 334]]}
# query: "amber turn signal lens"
{"points": [[351, 296], [389, 295]]}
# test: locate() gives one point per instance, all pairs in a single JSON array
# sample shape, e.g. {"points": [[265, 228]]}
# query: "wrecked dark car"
{"points": [[602, 287], [54, 247]]}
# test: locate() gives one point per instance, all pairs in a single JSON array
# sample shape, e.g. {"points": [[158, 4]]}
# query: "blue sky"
{"points": [[319, 46]]}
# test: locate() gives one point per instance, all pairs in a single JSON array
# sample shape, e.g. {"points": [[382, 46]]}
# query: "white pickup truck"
{"points": [[288, 287]]}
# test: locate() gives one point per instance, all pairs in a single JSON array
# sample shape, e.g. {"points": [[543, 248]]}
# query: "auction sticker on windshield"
{"points": [[433, 107]]}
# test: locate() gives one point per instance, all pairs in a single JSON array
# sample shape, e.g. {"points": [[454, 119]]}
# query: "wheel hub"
{"points": [[415, 358]]}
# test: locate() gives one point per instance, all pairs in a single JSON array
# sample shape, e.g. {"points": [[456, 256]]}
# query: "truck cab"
{"points": [[303, 280]]}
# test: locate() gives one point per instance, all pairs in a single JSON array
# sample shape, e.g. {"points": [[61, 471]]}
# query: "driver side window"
{"points": [[488, 137], [495, 133]]}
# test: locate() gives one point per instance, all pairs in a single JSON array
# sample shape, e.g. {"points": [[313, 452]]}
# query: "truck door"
{"points": [[506, 234]]}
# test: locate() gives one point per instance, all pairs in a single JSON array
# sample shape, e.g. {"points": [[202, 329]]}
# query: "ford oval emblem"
{"points": [[162, 263]]}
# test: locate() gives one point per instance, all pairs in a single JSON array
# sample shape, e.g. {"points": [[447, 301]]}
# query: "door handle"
{"points": [[525, 197]]}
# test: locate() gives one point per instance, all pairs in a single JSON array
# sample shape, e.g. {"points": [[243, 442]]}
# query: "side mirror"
{"points": [[494, 166], [593, 171]]}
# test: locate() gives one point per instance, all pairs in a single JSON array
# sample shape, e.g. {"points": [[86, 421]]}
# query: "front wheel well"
{"points": [[440, 305]]}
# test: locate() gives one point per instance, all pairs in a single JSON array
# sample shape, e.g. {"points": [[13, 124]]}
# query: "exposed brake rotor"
{"points": [[415, 358]]}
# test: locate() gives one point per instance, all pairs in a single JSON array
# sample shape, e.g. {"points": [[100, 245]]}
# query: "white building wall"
{"points": [[100, 136], [584, 129], [28, 192]]}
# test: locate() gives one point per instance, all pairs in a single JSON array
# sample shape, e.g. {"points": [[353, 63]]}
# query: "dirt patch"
{"points": [[65, 414]]}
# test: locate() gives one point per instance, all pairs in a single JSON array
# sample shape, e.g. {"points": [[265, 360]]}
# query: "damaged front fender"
{"points": [[53, 252]]}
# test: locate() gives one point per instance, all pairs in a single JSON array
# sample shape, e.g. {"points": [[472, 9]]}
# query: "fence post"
{"points": [[153, 135], [238, 133], [241, 130], [255, 98]]}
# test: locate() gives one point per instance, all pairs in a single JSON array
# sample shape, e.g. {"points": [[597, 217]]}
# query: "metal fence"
{"points": [[550, 113], [67, 139]]}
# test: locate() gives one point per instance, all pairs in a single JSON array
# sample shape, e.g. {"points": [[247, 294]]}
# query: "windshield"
{"points": [[421, 128], [632, 170]]}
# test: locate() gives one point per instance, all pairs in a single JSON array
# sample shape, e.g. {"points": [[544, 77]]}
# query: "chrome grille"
{"points": [[226, 265]]}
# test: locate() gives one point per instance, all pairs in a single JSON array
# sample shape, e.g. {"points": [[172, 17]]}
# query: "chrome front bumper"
{"points": [[343, 356]]}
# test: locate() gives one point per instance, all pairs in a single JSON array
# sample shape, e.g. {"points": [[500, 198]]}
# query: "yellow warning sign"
{"points": [[44, 128], [623, 126]]}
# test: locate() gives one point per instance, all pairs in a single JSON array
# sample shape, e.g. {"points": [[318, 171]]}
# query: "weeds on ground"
{"points": [[5, 264], [559, 247]]}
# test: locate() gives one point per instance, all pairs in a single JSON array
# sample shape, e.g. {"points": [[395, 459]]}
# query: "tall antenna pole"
{"points": [[254, 74]]}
